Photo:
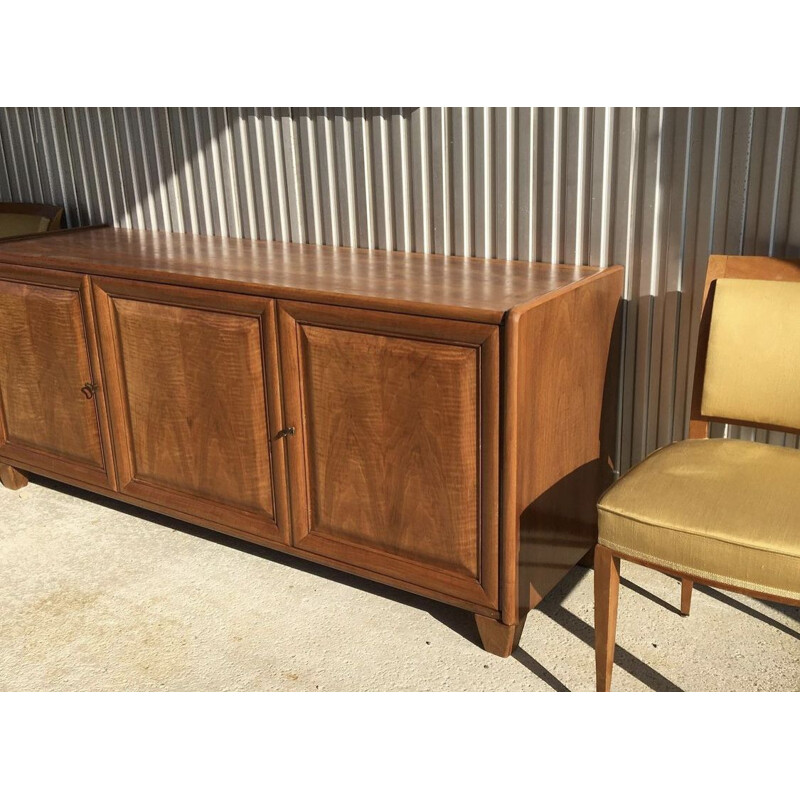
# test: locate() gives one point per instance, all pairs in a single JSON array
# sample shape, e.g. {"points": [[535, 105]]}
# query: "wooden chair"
{"points": [[24, 219], [720, 512]]}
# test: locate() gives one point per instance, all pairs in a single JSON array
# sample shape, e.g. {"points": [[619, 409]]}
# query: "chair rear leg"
{"points": [[606, 598], [686, 596]]}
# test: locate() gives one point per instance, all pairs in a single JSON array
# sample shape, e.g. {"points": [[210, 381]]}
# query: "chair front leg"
{"points": [[686, 596], [606, 599]]}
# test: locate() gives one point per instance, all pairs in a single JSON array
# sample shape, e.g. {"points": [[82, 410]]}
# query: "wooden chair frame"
{"points": [[606, 561]]}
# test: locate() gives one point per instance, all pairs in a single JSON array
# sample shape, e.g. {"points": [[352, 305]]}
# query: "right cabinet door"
{"points": [[394, 463]]}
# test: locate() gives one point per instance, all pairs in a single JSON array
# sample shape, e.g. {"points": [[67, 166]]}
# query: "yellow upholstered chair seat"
{"points": [[720, 509]]}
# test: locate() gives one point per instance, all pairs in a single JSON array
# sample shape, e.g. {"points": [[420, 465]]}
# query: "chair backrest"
{"points": [[23, 219], [747, 370]]}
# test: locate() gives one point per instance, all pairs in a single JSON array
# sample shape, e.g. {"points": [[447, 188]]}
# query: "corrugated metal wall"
{"points": [[654, 189]]}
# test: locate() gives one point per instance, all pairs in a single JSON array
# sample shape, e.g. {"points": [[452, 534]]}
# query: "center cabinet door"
{"points": [[192, 382], [394, 463]]}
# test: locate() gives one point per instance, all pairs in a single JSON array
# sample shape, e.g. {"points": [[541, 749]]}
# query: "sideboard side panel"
{"points": [[566, 360]]}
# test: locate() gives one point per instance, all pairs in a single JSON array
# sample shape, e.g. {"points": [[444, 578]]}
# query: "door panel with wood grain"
{"points": [[52, 415], [192, 380], [394, 461]]}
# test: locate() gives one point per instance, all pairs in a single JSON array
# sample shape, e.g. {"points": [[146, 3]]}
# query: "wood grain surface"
{"points": [[233, 376], [447, 286], [46, 416], [560, 421], [390, 465], [186, 374]]}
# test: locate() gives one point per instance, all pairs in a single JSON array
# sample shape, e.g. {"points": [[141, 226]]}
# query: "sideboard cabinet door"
{"points": [[52, 415], [394, 463], [193, 394]]}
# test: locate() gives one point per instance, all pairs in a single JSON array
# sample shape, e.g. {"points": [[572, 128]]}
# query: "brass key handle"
{"points": [[89, 390]]}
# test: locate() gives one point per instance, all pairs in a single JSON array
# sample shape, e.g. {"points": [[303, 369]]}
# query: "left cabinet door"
{"points": [[52, 411], [193, 393]]}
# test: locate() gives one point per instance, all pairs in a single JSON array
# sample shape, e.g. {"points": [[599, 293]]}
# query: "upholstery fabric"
{"points": [[753, 363], [21, 224], [721, 509]]}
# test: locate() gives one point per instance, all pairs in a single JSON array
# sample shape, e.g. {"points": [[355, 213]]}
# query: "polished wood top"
{"points": [[476, 289]]}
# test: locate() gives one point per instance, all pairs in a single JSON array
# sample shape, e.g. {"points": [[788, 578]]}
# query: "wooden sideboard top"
{"points": [[476, 289]]}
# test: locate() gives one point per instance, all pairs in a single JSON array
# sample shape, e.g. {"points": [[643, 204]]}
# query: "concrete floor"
{"points": [[100, 596]]}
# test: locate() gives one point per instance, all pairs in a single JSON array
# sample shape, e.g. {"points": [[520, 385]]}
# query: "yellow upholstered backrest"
{"points": [[752, 371], [22, 224]]}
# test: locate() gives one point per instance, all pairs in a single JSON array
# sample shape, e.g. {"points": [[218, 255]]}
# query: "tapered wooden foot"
{"points": [[686, 596], [12, 478], [606, 598], [497, 638]]}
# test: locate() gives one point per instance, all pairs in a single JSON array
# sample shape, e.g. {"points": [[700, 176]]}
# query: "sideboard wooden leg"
{"points": [[12, 478], [498, 638]]}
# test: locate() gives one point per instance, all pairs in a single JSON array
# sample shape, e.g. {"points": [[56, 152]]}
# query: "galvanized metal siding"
{"points": [[654, 189]]}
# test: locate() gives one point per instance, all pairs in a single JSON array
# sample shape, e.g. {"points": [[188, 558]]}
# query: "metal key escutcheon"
{"points": [[89, 390], [284, 432]]}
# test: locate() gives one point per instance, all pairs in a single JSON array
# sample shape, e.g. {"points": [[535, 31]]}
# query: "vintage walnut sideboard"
{"points": [[439, 424]]}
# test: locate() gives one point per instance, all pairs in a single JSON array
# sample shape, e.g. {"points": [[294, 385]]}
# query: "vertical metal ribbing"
{"points": [[657, 198], [20, 187], [349, 178], [294, 179], [580, 189], [424, 190], [164, 172], [533, 194], [260, 169], [466, 182], [240, 165], [153, 189], [215, 175], [386, 175], [110, 168], [405, 182], [313, 170], [333, 195], [201, 175], [88, 166], [235, 203], [511, 185], [446, 198], [555, 233], [776, 190], [188, 183], [368, 184], [488, 185], [280, 177], [5, 179], [605, 213]]}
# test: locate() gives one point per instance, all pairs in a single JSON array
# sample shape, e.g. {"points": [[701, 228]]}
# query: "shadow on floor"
{"points": [[552, 607], [458, 620], [649, 595], [793, 612]]}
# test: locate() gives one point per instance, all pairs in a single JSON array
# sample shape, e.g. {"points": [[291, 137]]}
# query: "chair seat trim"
{"points": [[699, 574]]}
